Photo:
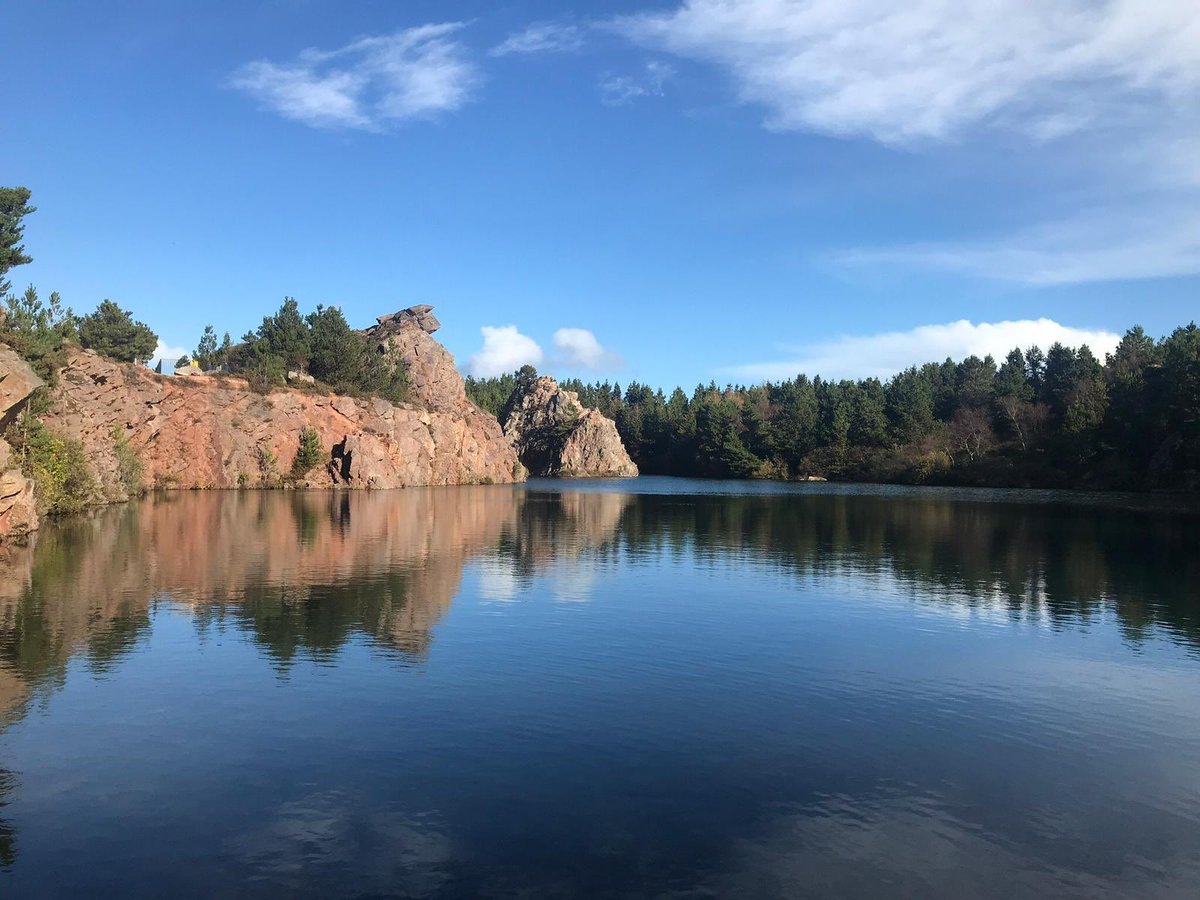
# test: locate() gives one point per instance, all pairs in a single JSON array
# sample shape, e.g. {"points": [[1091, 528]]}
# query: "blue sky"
{"points": [[669, 192]]}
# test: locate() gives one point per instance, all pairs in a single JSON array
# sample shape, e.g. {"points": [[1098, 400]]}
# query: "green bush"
{"points": [[129, 467], [267, 374], [57, 465], [268, 467], [309, 453], [931, 465]]}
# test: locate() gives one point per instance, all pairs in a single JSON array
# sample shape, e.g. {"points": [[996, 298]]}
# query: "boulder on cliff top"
{"points": [[554, 434], [421, 316]]}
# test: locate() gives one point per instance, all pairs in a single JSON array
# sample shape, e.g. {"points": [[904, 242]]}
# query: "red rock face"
{"points": [[18, 509], [595, 449], [17, 382], [213, 432]]}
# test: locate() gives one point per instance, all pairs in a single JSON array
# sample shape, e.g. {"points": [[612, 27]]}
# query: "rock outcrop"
{"points": [[214, 432], [17, 384], [432, 373], [554, 434], [18, 510]]}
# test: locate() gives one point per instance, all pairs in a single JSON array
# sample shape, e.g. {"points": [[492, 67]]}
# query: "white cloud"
{"points": [[167, 355], [575, 580], [499, 579], [622, 90], [579, 348], [883, 355], [504, 350], [370, 83], [541, 37], [931, 69], [1121, 76]]}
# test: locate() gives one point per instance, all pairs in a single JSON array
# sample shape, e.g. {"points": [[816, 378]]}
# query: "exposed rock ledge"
{"points": [[554, 434], [212, 432], [18, 510]]}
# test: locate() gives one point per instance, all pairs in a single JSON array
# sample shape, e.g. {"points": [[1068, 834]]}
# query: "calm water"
{"points": [[644, 688]]}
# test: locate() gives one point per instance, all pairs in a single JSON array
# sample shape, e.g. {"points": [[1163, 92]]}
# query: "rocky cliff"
{"points": [[18, 511], [554, 434], [214, 432]]}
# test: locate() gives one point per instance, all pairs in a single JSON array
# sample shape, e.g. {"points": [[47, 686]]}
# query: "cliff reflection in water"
{"points": [[302, 576], [304, 573], [301, 573]]}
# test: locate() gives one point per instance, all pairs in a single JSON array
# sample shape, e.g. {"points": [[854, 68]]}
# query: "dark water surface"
{"points": [[638, 688]]}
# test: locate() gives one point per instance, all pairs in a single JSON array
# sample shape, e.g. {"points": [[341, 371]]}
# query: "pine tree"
{"points": [[112, 332], [14, 207]]}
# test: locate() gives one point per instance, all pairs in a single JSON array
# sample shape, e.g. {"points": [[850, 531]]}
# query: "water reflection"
{"points": [[1061, 562], [302, 573], [864, 768]]}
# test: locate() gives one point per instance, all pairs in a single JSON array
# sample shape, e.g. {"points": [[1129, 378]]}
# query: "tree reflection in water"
{"points": [[304, 574]]}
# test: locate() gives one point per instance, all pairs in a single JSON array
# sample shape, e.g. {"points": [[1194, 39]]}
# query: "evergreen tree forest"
{"points": [[1053, 418]]}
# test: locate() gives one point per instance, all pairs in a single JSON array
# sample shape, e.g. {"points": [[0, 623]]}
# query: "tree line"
{"points": [[1053, 418]]}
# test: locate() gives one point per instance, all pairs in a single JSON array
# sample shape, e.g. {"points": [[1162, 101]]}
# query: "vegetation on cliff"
{"points": [[112, 332], [58, 465], [208, 354], [37, 331], [1053, 418], [129, 465], [309, 454], [321, 344]]}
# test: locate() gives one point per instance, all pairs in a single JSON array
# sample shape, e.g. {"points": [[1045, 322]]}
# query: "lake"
{"points": [[651, 687]]}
